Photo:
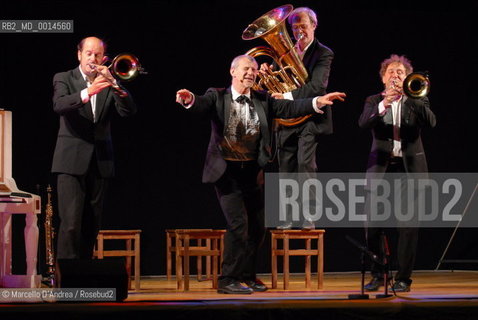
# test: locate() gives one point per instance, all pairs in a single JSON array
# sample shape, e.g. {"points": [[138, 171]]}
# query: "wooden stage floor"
{"points": [[426, 284], [439, 295]]}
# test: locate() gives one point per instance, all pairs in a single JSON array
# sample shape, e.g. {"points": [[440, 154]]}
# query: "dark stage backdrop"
{"points": [[189, 44]]}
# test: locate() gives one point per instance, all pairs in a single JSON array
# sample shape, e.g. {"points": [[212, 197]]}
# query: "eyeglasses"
{"points": [[302, 26]]}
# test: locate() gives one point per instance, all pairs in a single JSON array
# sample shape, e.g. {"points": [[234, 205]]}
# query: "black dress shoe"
{"points": [[374, 284], [234, 287], [401, 286], [256, 285]]}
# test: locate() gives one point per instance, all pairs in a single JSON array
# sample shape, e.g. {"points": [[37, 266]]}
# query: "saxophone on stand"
{"points": [[49, 243]]}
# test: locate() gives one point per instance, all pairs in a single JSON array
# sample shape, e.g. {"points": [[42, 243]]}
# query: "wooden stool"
{"points": [[171, 248], [308, 252], [130, 236], [184, 251]]}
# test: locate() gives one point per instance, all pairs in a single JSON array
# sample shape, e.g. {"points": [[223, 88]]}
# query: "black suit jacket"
{"points": [[217, 103], [78, 136], [415, 115], [317, 61]]}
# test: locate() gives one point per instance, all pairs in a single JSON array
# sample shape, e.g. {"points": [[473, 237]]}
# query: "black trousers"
{"points": [[297, 154], [406, 249], [406, 246], [297, 149], [241, 198], [80, 206]]}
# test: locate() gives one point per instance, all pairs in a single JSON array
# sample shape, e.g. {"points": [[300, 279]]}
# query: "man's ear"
{"points": [[79, 55]]}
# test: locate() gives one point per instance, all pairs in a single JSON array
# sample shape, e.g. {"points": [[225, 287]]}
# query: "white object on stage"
{"points": [[15, 201]]}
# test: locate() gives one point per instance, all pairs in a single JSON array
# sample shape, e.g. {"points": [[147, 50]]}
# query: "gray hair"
{"points": [[308, 11], [236, 60], [395, 58]]}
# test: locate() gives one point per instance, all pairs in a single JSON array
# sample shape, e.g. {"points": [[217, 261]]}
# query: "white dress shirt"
{"points": [[85, 97], [396, 110]]}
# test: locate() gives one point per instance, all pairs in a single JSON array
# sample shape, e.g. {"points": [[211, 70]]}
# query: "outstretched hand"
{"points": [[184, 97], [328, 99]]}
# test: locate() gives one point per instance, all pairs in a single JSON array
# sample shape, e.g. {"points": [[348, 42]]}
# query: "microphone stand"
{"points": [[364, 250], [362, 295]]}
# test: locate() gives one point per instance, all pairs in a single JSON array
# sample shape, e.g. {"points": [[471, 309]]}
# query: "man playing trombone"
{"points": [[83, 160], [395, 120]]}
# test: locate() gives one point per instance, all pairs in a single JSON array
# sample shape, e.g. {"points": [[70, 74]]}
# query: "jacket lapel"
{"points": [[261, 113], [405, 116], [80, 84], [227, 107], [100, 102], [308, 54]]}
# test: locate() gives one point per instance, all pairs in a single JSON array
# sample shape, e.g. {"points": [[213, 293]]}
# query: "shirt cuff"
{"points": [[315, 106], [381, 109], [84, 96], [288, 95]]}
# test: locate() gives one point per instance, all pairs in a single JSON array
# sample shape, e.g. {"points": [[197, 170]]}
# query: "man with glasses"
{"points": [[297, 145]]}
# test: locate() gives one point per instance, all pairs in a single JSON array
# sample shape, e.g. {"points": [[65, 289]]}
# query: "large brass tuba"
{"points": [[291, 73]]}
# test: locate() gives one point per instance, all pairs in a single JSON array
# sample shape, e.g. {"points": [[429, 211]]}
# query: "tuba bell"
{"points": [[416, 85], [291, 73]]}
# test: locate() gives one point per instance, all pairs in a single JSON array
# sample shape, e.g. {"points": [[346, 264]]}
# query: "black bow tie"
{"points": [[243, 98]]}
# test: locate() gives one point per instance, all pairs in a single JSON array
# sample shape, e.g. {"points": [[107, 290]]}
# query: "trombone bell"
{"points": [[416, 85], [125, 67]]}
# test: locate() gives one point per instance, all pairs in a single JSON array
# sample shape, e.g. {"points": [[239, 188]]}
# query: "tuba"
{"points": [[291, 73], [416, 85]]}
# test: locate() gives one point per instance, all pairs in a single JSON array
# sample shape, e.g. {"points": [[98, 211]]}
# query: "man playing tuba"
{"points": [[297, 144]]}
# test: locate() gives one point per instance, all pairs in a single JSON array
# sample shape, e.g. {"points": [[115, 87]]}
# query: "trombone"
{"points": [[416, 85], [124, 67]]}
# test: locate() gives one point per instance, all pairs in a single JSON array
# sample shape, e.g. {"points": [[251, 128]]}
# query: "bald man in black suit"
{"points": [[83, 158]]}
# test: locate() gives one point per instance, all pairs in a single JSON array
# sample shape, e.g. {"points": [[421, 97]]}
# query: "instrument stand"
{"points": [[386, 267], [385, 282], [49, 281]]}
